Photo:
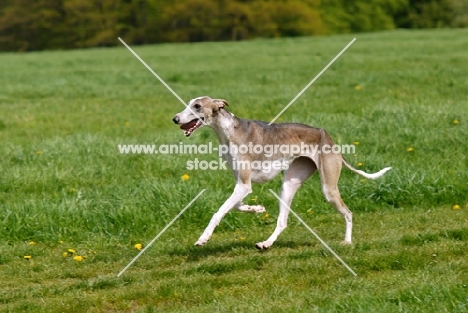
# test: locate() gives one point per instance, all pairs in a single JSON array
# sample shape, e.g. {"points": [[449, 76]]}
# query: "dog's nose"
{"points": [[176, 119]]}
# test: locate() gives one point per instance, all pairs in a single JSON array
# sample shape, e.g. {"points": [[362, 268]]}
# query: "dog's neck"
{"points": [[224, 126]]}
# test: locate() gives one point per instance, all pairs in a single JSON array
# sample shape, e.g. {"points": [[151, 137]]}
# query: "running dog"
{"points": [[233, 131]]}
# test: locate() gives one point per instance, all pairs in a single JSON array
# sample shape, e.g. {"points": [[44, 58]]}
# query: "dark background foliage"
{"points": [[65, 24]]}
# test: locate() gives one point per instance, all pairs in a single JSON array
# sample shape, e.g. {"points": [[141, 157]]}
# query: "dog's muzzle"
{"points": [[189, 127]]}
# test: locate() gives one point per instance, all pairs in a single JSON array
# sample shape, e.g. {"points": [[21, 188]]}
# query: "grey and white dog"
{"points": [[233, 131]]}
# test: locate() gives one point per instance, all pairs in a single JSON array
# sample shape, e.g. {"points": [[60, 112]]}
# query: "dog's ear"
{"points": [[221, 103]]}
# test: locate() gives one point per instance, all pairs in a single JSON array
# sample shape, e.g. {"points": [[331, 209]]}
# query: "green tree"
{"points": [[426, 14], [93, 22], [270, 18], [235, 21], [37, 25], [361, 15], [60, 24], [189, 20], [201, 20], [460, 13]]}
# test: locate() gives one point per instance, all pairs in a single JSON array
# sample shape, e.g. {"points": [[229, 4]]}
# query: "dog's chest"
{"points": [[261, 169], [264, 175]]}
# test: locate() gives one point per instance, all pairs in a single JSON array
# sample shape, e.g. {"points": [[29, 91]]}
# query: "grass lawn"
{"points": [[400, 96]]}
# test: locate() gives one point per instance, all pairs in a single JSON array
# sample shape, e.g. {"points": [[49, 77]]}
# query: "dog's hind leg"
{"points": [[329, 174], [298, 172]]}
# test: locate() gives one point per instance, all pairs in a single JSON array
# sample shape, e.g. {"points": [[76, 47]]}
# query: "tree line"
{"points": [[66, 24]]}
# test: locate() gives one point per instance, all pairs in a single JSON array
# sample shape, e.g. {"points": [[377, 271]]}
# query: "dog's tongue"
{"points": [[188, 125]]}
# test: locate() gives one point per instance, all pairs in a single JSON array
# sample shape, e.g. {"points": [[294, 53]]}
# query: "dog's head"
{"points": [[199, 112]]}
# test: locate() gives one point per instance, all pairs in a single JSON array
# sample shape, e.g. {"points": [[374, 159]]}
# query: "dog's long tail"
{"points": [[364, 174]]}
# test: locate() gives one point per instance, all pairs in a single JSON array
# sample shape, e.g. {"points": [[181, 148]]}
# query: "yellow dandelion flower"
{"points": [[27, 257], [39, 152], [360, 164], [242, 238], [356, 143], [456, 122], [266, 215], [138, 246], [410, 149], [358, 87], [185, 177], [32, 243], [362, 180], [65, 254], [456, 207], [71, 251], [78, 258]]}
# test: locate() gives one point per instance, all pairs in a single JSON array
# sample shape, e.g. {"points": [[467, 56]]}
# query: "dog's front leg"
{"points": [[240, 192]]}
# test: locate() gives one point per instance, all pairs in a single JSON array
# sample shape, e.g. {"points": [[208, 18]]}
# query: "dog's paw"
{"points": [[258, 208], [263, 245], [251, 208], [200, 243]]}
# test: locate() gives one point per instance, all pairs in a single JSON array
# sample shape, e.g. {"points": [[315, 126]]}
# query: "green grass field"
{"points": [[403, 95]]}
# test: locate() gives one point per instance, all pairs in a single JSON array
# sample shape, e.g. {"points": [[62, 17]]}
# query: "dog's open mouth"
{"points": [[191, 126]]}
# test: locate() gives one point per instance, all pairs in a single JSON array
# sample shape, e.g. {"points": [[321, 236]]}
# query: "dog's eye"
{"points": [[197, 106]]}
